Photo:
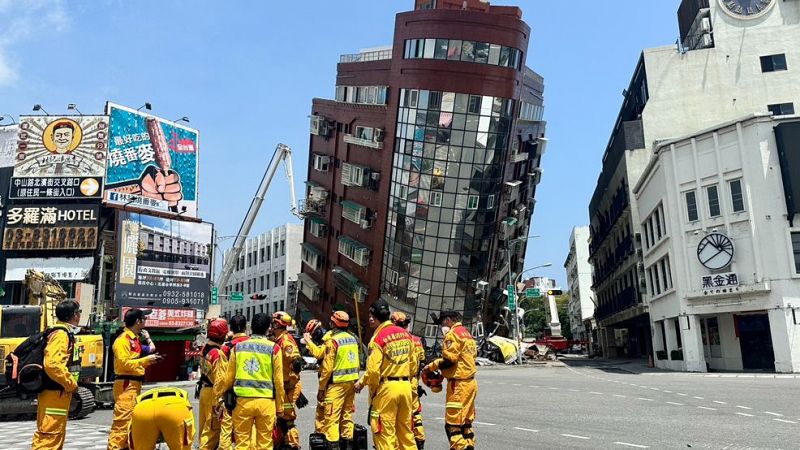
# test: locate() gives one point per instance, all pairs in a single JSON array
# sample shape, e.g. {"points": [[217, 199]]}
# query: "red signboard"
{"points": [[169, 318]]}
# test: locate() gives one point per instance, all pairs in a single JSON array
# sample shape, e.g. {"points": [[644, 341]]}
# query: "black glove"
{"points": [[421, 392], [197, 390], [302, 401], [297, 365]]}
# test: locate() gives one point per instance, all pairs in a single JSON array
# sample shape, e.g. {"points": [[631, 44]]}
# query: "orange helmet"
{"points": [[281, 319], [433, 380], [312, 326], [340, 319], [400, 319], [217, 329]]}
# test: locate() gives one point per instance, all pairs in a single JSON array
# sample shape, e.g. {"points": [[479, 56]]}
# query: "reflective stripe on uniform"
{"points": [[253, 384], [453, 405], [55, 412]]}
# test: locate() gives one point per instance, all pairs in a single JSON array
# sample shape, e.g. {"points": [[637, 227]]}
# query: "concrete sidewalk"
{"points": [[639, 367]]}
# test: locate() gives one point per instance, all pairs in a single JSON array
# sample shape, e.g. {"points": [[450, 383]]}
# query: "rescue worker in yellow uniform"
{"points": [[337, 377], [162, 413], [315, 338], [389, 378], [238, 326], [458, 366], [61, 369], [401, 320], [129, 368], [292, 362], [255, 372], [213, 367]]}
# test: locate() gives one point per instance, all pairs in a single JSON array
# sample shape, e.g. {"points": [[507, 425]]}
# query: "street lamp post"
{"points": [[514, 287]]}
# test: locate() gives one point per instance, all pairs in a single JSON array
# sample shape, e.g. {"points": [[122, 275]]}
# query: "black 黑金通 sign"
{"points": [[51, 227]]}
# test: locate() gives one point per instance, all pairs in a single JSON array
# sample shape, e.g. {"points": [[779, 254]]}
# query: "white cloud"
{"points": [[25, 20]]}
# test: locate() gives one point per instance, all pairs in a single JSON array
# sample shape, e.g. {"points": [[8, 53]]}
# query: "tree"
{"points": [[537, 318]]}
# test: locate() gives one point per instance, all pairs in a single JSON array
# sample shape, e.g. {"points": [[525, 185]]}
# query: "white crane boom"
{"points": [[282, 152]]}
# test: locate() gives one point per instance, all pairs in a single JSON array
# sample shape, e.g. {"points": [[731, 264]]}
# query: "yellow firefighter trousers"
{"points": [[292, 436], [460, 412], [125, 393], [250, 412], [212, 432], [167, 417], [51, 420], [339, 405], [416, 417], [390, 417]]}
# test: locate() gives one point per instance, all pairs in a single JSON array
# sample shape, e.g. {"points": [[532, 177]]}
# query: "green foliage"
{"points": [[537, 319]]}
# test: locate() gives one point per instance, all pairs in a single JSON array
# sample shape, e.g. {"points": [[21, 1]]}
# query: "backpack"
{"points": [[25, 365]]}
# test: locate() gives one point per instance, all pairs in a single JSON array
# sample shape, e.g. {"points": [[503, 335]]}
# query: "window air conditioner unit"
{"points": [[375, 176], [379, 134], [705, 25], [365, 224], [707, 40]]}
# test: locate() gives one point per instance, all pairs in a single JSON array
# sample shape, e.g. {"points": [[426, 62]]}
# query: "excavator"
{"points": [[17, 322]]}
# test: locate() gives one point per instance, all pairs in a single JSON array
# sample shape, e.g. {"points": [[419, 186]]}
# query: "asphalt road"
{"points": [[581, 406]]}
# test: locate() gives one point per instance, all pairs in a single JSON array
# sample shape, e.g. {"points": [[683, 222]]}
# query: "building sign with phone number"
{"points": [[169, 318]]}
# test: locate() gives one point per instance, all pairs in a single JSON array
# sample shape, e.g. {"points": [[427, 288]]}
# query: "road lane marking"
{"points": [[743, 407], [676, 403], [596, 393], [655, 389], [667, 392], [681, 394], [576, 436], [553, 388], [631, 445], [699, 398], [773, 414], [744, 414], [526, 429], [535, 387], [784, 421], [484, 423], [721, 403], [620, 396], [515, 384], [645, 399], [707, 408]]}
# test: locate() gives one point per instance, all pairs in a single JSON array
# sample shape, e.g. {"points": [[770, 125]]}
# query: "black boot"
{"points": [[345, 445], [333, 446], [420, 445]]}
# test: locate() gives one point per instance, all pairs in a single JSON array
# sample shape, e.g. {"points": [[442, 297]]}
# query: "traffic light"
{"points": [[258, 296], [554, 292]]}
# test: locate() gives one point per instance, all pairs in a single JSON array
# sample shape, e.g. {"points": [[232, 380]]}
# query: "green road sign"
{"points": [[512, 297], [237, 296], [214, 296], [532, 293]]}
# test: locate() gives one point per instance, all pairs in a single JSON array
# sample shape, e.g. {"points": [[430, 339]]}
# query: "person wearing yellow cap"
{"points": [[162, 413], [337, 378], [292, 362], [400, 319]]}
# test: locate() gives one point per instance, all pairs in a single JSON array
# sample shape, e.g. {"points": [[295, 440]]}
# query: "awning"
{"points": [[514, 183], [307, 280], [510, 221], [318, 220], [350, 205], [64, 269], [311, 248], [312, 183], [351, 241], [338, 270]]}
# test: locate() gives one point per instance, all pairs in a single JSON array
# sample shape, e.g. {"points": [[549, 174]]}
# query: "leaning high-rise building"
{"points": [[424, 167]]}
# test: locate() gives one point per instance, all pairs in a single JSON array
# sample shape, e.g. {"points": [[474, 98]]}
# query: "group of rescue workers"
{"points": [[250, 385]]}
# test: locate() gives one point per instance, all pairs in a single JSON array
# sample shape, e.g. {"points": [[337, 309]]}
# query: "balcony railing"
{"points": [[350, 139], [626, 299], [366, 56]]}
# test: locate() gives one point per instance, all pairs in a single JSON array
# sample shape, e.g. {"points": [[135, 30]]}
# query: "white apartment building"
{"points": [[268, 266], [579, 283], [721, 252], [731, 62]]}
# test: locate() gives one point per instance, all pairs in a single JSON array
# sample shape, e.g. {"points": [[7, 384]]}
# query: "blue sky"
{"points": [[245, 76]]}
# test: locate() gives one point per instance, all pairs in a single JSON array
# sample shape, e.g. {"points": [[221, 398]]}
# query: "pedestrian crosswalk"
{"points": [[80, 436]]}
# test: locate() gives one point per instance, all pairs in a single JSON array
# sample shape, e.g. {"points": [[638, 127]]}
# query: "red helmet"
{"points": [[312, 326], [281, 319], [218, 329], [433, 380], [340, 319]]}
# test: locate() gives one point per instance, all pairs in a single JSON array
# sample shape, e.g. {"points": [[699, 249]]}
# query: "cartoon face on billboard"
{"points": [[62, 136]]}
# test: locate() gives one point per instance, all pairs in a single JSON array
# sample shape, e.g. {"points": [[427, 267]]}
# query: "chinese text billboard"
{"points": [[60, 157], [163, 262], [168, 318], [152, 163], [51, 227]]}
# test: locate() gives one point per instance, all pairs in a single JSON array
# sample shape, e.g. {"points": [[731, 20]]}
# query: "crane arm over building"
{"points": [[282, 153]]}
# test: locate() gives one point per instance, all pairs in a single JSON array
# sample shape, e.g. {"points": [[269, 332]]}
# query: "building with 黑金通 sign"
{"points": [[721, 254]]}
